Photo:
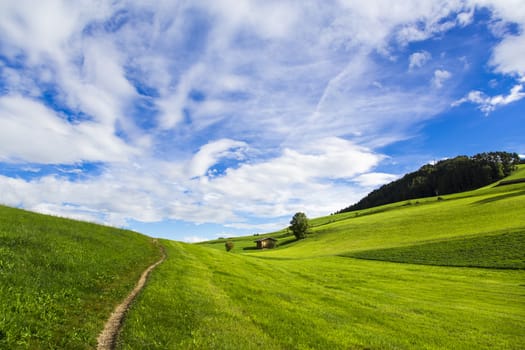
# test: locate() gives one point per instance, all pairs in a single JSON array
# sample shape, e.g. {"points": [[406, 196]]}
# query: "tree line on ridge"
{"points": [[462, 173]]}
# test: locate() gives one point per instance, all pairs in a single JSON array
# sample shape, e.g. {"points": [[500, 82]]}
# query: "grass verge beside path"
{"points": [[203, 298], [60, 279], [184, 308]]}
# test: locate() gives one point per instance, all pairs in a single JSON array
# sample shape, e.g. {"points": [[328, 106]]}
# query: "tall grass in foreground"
{"points": [[60, 279]]}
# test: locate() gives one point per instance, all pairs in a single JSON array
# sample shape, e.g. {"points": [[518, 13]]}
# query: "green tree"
{"points": [[228, 245], [299, 225]]}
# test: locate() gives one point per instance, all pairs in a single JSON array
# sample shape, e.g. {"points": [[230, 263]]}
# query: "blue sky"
{"points": [[197, 119]]}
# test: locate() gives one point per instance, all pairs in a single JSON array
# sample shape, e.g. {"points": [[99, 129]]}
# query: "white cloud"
{"points": [[465, 62], [509, 56], [434, 18], [94, 199], [488, 104], [212, 152], [477, 97], [465, 18], [375, 179], [32, 132], [194, 239], [72, 212], [172, 105], [440, 76], [508, 10], [269, 20], [295, 179], [43, 29], [272, 188], [258, 228], [418, 59]]}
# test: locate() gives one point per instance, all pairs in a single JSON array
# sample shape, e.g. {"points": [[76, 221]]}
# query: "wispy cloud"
{"points": [[32, 132], [418, 59]]}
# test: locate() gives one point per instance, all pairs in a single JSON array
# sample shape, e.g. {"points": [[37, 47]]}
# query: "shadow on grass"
{"points": [[287, 242], [504, 251], [251, 248], [510, 182], [500, 197]]}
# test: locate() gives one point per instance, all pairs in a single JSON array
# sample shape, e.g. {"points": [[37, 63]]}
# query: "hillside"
{"points": [[60, 279], [469, 213], [436, 273], [448, 176], [419, 274]]}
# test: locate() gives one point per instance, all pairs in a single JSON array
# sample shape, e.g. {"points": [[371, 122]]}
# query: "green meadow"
{"points": [[435, 273], [60, 279]]}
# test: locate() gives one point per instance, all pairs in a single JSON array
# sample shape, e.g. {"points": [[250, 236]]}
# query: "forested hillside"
{"points": [[448, 176]]}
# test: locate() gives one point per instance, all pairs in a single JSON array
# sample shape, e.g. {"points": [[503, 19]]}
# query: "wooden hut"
{"points": [[267, 242]]}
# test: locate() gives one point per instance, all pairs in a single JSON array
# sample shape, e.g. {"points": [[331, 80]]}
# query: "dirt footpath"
{"points": [[108, 337]]}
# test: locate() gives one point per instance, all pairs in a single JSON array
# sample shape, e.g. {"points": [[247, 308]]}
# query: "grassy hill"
{"points": [[60, 279], [433, 273]]}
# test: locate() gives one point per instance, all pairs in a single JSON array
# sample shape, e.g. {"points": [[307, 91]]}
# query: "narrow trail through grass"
{"points": [[108, 337], [61, 278]]}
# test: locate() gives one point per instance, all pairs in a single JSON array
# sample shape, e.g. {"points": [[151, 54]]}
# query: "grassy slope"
{"points": [[503, 250], [60, 279], [406, 222], [519, 174], [484, 211], [304, 295]]}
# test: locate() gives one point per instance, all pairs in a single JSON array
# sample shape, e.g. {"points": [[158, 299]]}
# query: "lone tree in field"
{"points": [[228, 245], [299, 225]]}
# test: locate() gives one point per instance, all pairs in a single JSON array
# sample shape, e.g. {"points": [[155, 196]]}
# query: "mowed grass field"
{"points": [[435, 273], [60, 279]]}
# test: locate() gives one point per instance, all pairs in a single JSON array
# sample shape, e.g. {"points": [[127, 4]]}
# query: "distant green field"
{"points": [[313, 294], [60, 279]]}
